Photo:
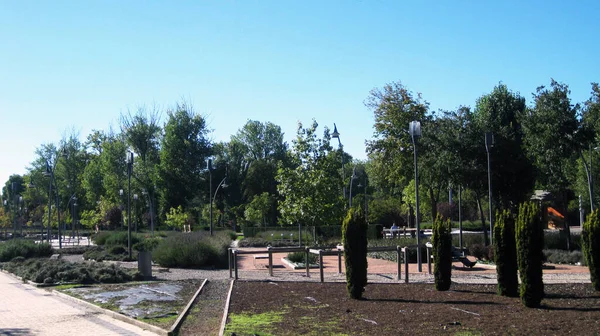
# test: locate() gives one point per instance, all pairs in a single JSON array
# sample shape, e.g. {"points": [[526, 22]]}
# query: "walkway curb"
{"points": [[186, 309], [226, 310], [115, 315]]}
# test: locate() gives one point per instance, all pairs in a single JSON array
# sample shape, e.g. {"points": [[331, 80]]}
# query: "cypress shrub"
{"points": [[591, 247], [505, 254], [442, 253], [354, 236], [530, 241]]}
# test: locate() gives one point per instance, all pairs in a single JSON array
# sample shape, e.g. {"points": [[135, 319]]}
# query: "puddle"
{"points": [[130, 297]]}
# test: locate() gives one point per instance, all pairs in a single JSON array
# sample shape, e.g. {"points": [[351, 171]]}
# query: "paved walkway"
{"points": [[27, 310]]}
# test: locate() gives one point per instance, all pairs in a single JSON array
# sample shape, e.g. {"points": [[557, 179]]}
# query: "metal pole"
{"points": [[418, 224], [49, 212], [15, 209], [58, 217], [591, 181], [460, 228], [490, 197], [211, 200], [350, 191], [581, 215], [129, 168]]}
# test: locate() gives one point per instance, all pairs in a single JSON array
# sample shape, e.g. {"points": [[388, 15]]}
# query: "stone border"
{"points": [[115, 315], [296, 266], [226, 310], [177, 322]]}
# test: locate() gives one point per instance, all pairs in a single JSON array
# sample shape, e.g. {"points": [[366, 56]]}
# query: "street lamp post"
{"points": [[15, 199], [135, 211], [414, 129], [121, 193], [221, 184], [336, 135], [489, 143], [210, 197], [350, 191], [129, 171]]}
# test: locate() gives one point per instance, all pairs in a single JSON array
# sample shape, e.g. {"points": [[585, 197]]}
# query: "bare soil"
{"points": [[204, 317], [411, 309]]}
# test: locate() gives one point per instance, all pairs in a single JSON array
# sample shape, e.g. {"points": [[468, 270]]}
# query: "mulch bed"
{"points": [[414, 309]]}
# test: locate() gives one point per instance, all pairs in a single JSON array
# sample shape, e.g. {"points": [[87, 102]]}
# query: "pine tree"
{"points": [[530, 241], [505, 254], [442, 253], [591, 247], [354, 235]]}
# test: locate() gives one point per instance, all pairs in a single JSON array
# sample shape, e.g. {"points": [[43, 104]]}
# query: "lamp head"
{"points": [[335, 134], [414, 129]]}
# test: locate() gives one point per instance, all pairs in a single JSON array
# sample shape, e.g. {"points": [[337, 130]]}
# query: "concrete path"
{"points": [[27, 310]]}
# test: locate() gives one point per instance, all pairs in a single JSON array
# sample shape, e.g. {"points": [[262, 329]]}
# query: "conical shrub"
{"points": [[442, 253], [505, 254], [354, 235], [590, 238], [530, 241]]}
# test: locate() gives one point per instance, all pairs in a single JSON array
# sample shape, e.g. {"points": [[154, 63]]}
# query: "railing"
{"points": [[402, 251]]}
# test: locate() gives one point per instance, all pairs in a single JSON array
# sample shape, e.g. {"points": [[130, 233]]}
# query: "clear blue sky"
{"points": [[79, 64]]}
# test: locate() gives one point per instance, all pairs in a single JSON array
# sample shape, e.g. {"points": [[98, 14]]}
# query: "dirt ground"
{"points": [[300, 308]]}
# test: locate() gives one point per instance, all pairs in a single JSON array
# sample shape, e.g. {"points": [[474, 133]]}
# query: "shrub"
{"points": [[147, 244], [354, 235], [193, 250], [101, 253], [564, 257], [479, 251], [121, 238], [591, 246], [442, 253], [300, 257], [100, 237], [505, 255], [530, 240], [61, 271], [23, 248]]}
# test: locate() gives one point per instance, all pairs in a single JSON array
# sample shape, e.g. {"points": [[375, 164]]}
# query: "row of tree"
{"points": [[266, 181]]}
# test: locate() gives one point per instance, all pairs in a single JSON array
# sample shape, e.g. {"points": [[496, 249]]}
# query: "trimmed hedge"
{"points": [[442, 253], [354, 235], [591, 247], [530, 240], [300, 257], [193, 250], [23, 248], [505, 254]]}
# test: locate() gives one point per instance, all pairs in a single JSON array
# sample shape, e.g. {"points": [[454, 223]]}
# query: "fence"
{"points": [[401, 251]]}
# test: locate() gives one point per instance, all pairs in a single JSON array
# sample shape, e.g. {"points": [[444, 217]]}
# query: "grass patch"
{"points": [[253, 324]]}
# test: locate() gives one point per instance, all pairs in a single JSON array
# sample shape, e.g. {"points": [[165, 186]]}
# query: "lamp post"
{"points": [[489, 143], [350, 191], [414, 129], [15, 199], [336, 135], [360, 185], [221, 184], [210, 197], [135, 211], [121, 193], [129, 171]]}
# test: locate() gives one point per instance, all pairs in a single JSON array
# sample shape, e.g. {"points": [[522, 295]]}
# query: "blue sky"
{"points": [[77, 65]]}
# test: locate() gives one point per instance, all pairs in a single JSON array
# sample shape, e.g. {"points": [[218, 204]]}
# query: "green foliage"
{"points": [[591, 246], [108, 252], [193, 250], [506, 254], [122, 238], [530, 240], [311, 189], [100, 237], [60, 271], [258, 209], [442, 253], [300, 257], [564, 257], [177, 218], [23, 248], [147, 244], [90, 218], [354, 235]]}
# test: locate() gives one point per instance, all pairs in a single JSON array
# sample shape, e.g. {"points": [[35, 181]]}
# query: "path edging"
{"points": [[179, 320], [226, 310]]}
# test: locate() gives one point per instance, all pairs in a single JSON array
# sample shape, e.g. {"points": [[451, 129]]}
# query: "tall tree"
{"points": [[183, 154]]}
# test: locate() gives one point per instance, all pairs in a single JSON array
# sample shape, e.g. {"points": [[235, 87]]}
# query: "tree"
{"points": [[512, 172], [310, 189], [183, 154], [530, 242], [177, 218], [505, 254], [590, 239], [354, 236], [442, 253]]}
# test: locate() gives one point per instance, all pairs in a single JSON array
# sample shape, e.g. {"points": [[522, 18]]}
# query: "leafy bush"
{"points": [[121, 238], [147, 244], [23, 248], [193, 250], [442, 253], [479, 251], [354, 235], [115, 253], [73, 250], [591, 246], [300, 257], [60, 271], [505, 255], [100, 237], [530, 240], [564, 257]]}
